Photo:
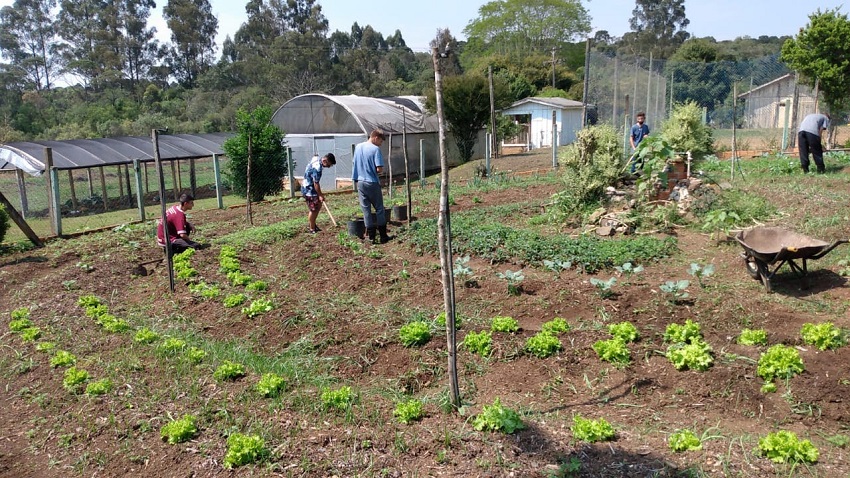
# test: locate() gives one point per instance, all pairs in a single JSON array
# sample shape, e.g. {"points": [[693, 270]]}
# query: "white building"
{"points": [[534, 115]]}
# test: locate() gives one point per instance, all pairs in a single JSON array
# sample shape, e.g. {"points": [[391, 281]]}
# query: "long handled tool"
{"points": [[328, 210]]}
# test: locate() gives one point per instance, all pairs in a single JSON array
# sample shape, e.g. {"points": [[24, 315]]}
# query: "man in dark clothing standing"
{"points": [[809, 140]]}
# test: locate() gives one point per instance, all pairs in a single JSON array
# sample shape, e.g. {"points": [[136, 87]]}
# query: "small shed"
{"points": [[316, 124], [534, 115], [771, 105]]}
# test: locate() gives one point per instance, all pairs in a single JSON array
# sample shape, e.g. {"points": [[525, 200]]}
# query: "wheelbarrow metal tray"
{"points": [[771, 244]]}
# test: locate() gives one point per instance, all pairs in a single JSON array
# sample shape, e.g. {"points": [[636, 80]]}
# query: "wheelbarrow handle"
{"points": [[829, 248]]}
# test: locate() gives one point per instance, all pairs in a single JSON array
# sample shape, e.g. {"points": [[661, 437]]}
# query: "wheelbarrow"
{"points": [[766, 247]]}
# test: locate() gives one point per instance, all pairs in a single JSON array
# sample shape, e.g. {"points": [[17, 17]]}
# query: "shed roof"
{"points": [[770, 83], [318, 114], [88, 153], [560, 103]]}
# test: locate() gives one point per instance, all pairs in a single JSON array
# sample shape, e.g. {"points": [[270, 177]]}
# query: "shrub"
{"points": [[409, 411], [270, 385], [823, 336], [625, 331], [338, 399], [784, 447], [543, 345], [589, 165], [480, 343], [5, 223], [555, 326], [592, 430], [414, 333], [496, 417], [780, 361], [753, 337], [684, 440], [228, 371], [267, 149], [244, 449], [686, 131], [180, 430], [613, 350], [504, 324]]}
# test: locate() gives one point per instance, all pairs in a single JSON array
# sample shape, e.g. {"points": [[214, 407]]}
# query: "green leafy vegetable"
{"points": [[99, 387], [823, 336], [543, 345], [625, 331], [780, 361], [480, 343], [270, 385], [180, 430], [592, 430], [784, 447], [228, 371], [504, 324], [693, 356], [613, 350], [684, 440], [496, 417], [339, 399], [555, 326], [409, 411], [753, 337], [414, 333], [244, 449]]}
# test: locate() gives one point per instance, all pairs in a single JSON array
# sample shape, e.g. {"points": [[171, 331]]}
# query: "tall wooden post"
{"points": [[48, 165], [493, 136], [219, 195], [444, 239], [103, 189], [248, 183], [74, 202], [162, 201], [22, 192]]}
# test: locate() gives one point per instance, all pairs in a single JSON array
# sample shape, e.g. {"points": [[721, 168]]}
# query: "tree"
{"points": [[466, 106], [821, 53], [27, 38], [92, 50], [140, 50], [193, 27], [520, 26], [266, 152], [658, 26]]}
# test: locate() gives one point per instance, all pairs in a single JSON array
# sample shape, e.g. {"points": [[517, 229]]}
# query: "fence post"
{"points": [[421, 163], [488, 151], [53, 173], [217, 174], [289, 172], [140, 193], [22, 192]]}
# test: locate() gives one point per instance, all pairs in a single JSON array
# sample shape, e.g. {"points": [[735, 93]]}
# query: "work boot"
{"points": [[384, 237], [370, 233]]}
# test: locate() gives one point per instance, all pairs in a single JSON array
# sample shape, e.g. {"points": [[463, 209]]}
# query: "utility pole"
{"points": [[586, 83], [493, 140], [553, 61]]}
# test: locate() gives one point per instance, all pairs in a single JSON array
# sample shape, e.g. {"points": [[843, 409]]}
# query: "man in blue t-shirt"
{"points": [[368, 164], [639, 131], [312, 190], [809, 140]]}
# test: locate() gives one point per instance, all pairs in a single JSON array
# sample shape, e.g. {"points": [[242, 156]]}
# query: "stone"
{"points": [[596, 215], [605, 231], [694, 184]]}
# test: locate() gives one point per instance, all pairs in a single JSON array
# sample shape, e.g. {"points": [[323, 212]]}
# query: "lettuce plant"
{"points": [[784, 447], [234, 300], [555, 326], [99, 387], [47, 347], [18, 325], [258, 307], [195, 354], [63, 358], [684, 440], [409, 411], [171, 346], [74, 377], [270, 385], [228, 371], [592, 430], [543, 345], [497, 417], [480, 343], [683, 333], [613, 350], [414, 333], [20, 313], [823, 336], [239, 278], [243, 450], [30, 334], [145, 336], [338, 399], [691, 356], [625, 331], [779, 361], [180, 430], [504, 324], [753, 337]]}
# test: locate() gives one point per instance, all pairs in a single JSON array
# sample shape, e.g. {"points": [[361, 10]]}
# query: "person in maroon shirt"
{"points": [[179, 227]]}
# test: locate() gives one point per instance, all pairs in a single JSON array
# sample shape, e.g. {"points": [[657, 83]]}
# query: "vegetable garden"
{"points": [[288, 354]]}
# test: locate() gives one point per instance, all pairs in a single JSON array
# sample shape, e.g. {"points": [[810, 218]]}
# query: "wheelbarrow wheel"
{"points": [[758, 271]]}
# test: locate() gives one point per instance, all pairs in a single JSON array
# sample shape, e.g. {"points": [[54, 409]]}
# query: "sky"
{"points": [[419, 20]]}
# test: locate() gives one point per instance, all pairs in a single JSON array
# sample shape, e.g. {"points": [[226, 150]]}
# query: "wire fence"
{"points": [[108, 196], [762, 98]]}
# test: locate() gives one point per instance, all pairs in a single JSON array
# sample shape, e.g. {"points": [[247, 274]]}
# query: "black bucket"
{"points": [[357, 228], [400, 213]]}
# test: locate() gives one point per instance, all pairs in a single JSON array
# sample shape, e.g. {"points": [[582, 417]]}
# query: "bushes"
{"points": [[4, 223]]}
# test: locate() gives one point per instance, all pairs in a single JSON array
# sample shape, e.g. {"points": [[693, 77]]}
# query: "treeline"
{"points": [[125, 82]]}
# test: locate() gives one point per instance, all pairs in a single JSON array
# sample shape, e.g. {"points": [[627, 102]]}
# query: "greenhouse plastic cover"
{"points": [[319, 114], [89, 153]]}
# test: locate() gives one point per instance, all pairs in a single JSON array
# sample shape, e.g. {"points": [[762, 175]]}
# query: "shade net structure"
{"points": [[96, 180], [317, 124]]}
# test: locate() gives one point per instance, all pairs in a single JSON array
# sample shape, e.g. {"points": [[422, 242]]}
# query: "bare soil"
{"points": [[47, 431]]}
